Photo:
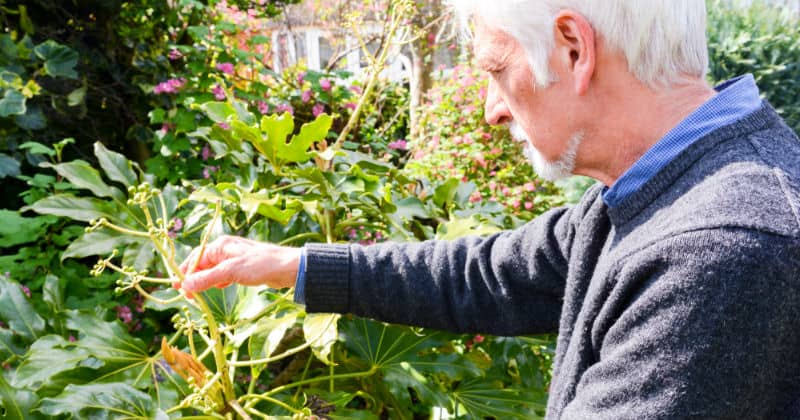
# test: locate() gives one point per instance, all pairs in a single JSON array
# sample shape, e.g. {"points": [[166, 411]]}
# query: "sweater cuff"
{"points": [[327, 278]]}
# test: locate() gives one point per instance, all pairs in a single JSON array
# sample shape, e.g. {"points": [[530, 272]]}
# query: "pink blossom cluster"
{"points": [[170, 86], [226, 68]]}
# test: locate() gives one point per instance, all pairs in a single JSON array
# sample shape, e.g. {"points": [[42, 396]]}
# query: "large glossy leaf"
{"points": [[101, 242], [266, 334], [49, 356], [116, 166], [322, 331], [482, 398], [17, 311], [59, 60], [84, 176], [124, 356], [76, 208], [277, 128], [10, 344], [17, 404], [102, 401]]}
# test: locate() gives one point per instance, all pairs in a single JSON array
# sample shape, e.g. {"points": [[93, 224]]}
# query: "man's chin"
{"points": [[559, 169]]}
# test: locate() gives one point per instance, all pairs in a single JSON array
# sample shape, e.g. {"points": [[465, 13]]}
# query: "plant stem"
{"points": [[274, 401], [276, 390]]}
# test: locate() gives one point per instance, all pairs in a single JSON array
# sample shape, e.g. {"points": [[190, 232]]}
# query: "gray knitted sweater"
{"points": [[682, 302]]}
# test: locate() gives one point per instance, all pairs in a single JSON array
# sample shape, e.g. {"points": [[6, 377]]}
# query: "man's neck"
{"points": [[641, 116]]}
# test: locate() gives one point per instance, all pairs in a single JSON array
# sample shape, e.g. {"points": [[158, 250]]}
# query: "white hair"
{"points": [[664, 41]]}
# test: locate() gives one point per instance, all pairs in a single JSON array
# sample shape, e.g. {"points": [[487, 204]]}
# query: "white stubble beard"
{"points": [[550, 171]]}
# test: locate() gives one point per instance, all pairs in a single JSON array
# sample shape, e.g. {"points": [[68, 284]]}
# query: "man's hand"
{"points": [[232, 259]]}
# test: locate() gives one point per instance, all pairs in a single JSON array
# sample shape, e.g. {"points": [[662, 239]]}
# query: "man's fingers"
{"points": [[218, 276]]}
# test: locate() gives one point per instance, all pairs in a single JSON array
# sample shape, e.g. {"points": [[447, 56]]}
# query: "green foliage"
{"points": [[763, 40]]}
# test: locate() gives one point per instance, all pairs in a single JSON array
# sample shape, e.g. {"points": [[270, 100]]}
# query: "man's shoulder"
{"points": [[749, 182]]}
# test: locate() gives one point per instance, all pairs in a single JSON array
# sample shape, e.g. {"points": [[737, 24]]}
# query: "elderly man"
{"points": [[674, 284]]}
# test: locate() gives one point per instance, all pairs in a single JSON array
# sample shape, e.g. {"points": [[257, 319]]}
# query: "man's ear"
{"points": [[575, 44]]}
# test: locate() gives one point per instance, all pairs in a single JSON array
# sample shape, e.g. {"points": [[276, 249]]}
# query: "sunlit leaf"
{"points": [[102, 401], [322, 331], [116, 166], [84, 176], [76, 208], [310, 133], [96, 243], [49, 356]]}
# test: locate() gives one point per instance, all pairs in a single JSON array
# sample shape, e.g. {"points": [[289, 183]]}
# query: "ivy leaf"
{"points": [[17, 311], [59, 60], [297, 149], [102, 401], [96, 243], [8, 166], [76, 208], [49, 356], [116, 166], [13, 103], [84, 176], [322, 331]]}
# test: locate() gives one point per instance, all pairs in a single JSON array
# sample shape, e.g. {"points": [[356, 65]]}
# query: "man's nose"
{"points": [[496, 111]]}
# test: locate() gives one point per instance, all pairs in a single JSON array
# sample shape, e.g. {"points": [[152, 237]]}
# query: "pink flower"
{"points": [[325, 84], [529, 187], [226, 68], [515, 204], [528, 205], [356, 89], [306, 97], [72, 338], [124, 313], [317, 110], [419, 154], [282, 108], [170, 86], [26, 290], [475, 197], [301, 77], [351, 106], [224, 126], [206, 154], [398, 145], [208, 170], [263, 107], [219, 93], [174, 55]]}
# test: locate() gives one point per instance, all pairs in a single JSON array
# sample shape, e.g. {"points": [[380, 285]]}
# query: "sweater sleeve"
{"points": [[508, 283], [704, 325]]}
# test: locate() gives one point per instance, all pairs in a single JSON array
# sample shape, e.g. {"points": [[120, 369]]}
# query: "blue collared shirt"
{"points": [[735, 99]]}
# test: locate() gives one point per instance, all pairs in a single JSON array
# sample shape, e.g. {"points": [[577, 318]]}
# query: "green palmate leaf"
{"points": [[230, 303], [84, 176], [102, 401], [482, 399], [49, 356], [76, 208], [322, 331], [409, 208], [124, 356], [17, 311], [277, 128], [17, 403], [115, 165], [97, 243], [446, 192], [310, 133], [59, 60], [12, 103]]}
